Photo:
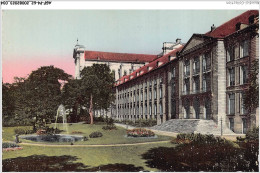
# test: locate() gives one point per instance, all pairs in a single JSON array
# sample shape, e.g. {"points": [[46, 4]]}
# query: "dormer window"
{"points": [[159, 63], [171, 58], [238, 26], [149, 68]]}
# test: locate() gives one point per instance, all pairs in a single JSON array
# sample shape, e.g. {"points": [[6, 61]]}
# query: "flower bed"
{"points": [[7, 146], [140, 133], [77, 132], [12, 149]]}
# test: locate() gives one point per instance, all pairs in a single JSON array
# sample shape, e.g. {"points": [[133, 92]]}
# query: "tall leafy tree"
{"points": [[252, 94], [98, 81], [92, 91], [8, 102], [39, 96]]}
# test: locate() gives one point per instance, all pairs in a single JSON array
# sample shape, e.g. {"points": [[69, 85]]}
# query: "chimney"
{"points": [[251, 19], [164, 48], [178, 41], [213, 27]]}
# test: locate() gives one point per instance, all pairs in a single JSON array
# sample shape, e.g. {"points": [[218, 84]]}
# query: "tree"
{"points": [[38, 97], [8, 103], [73, 98], [96, 86], [252, 94]]}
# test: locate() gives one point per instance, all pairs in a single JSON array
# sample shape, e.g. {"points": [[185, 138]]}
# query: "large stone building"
{"points": [[147, 92], [205, 79], [121, 64]]}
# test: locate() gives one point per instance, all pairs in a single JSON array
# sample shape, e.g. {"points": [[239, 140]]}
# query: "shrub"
{"points": [[85, 138], [109, 127], [99, 119], [253, 134], [23, 131], [141, 123], [204, 153], [9, 145], [184, 138], [140, 133], [95, 135]]}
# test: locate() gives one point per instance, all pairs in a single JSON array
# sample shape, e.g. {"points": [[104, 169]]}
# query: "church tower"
{"points": [[79, 59]]}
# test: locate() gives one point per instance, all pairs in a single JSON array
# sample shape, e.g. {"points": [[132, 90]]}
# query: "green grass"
{"points": [[92, 156], [109, 136]]}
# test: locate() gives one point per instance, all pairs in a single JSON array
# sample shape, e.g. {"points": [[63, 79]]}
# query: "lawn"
{"points": [[116, 158], [92, 157], [109, 136]]}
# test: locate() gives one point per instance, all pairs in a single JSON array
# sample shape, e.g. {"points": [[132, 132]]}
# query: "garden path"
{"points": [[231, 137], [104, 145]]}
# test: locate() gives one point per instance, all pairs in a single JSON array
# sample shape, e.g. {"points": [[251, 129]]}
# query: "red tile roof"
{"points": [[149, 67], [119, 57], [229, 27]]}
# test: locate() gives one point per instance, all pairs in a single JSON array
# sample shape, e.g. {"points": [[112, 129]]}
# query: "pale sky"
{"points": [[31, 38]]}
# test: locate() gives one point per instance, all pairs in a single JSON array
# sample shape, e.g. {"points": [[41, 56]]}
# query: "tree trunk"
{"points": [[91, 109], [74, 113]]}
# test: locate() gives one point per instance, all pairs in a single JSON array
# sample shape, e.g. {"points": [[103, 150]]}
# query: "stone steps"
{"points": [[192, 126]]}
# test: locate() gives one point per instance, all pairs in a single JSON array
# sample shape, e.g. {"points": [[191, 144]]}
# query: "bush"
{"points": [[95, 135], [109, 127], [23, 131], [253, 134], [85, 138], [141, 123], [9, 145], [207, 153], [140, 133], [184, 138], [17, 122], [99, 119]]}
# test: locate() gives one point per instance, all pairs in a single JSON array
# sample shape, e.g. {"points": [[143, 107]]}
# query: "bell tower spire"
{"points": [[79, 58]]}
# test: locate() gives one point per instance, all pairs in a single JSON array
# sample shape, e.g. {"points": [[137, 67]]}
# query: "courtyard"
{"points": [[95, 153], [115, 152]]}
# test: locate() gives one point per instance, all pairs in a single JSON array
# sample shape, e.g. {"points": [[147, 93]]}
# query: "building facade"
{"points": [[121, 64], [205, 79], [147, 92]]}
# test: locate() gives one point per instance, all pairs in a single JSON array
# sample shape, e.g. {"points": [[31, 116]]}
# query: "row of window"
{"points": [[136, 96], [244, 125], [206, 65], [243, 75], [143, 110], [196, 108], [206, 84], [232, 104], [237, 51], [135, 117]]}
